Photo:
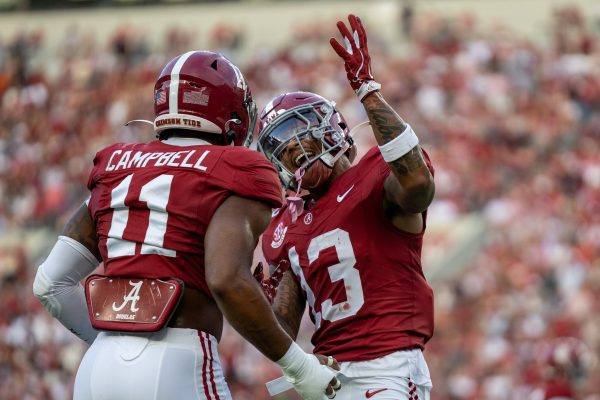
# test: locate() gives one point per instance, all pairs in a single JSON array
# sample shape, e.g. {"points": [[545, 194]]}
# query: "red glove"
{"points": [[269, 286], [355, 54]]}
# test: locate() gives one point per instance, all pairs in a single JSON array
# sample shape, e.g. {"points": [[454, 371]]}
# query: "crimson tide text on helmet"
{"points": [[203, 91], [293, 116]]}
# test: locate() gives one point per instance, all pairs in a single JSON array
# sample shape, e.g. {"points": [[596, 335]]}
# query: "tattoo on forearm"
{"points": [[386, 122], [388, 125], [409, 162], [81, 228], [288, 307]]}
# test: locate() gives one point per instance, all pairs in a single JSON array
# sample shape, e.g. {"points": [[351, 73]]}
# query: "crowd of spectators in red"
{"points": [[512, 126]]}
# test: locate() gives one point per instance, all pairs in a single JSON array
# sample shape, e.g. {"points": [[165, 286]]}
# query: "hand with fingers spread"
{"points": [[355, 54], [269, 285]]}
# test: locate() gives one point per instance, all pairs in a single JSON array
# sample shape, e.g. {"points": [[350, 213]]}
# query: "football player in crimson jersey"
{"points": [[175, 222], [353, 243]]}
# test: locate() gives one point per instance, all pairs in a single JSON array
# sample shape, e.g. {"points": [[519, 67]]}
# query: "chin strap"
{"points": [[140, 120], [357, 127], [295, 202], [143, 121]]}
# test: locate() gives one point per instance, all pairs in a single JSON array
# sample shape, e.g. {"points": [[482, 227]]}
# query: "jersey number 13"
{"points": [[344, 271]]}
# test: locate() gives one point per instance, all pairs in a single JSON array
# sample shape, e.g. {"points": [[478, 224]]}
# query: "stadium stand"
{"points": [[512, 125]]}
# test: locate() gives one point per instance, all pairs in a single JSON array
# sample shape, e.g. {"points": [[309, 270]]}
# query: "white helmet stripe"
{"points": [[174, 86], [241, 83]]}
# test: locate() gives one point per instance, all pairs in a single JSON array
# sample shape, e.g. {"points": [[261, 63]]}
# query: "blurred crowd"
{"points": [[512, 126]]}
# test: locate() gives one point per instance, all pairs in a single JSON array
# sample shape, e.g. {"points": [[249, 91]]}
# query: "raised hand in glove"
{"points": [[355, 54], [269, 285]]}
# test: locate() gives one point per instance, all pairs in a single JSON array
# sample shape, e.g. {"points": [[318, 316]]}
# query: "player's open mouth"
{"points": [[302, 157]]}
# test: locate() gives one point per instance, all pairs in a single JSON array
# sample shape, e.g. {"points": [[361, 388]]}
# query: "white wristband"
{"points": [[306, 373], [366, 88], [400, 145], [293, 360]]}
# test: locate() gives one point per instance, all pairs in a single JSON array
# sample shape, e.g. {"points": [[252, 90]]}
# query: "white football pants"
{"points": [[402, 375], [169, 364]]}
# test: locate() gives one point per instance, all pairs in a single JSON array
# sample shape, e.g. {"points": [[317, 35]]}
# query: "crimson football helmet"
{"points": [[293, 116], [203, 91]]}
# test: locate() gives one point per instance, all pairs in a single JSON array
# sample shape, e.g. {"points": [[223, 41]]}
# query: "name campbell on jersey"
{"points": [[152, 203]]}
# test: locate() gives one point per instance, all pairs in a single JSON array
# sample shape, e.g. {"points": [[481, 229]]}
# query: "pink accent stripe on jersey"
{"points": [[212, 372], [204, 383]]}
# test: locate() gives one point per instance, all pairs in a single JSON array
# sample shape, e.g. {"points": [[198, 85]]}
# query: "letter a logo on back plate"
{"points": [[133, 297]]}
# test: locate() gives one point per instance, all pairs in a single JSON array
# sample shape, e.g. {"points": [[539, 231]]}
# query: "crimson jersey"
{"points": [[151, 203], [362, 277]]}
